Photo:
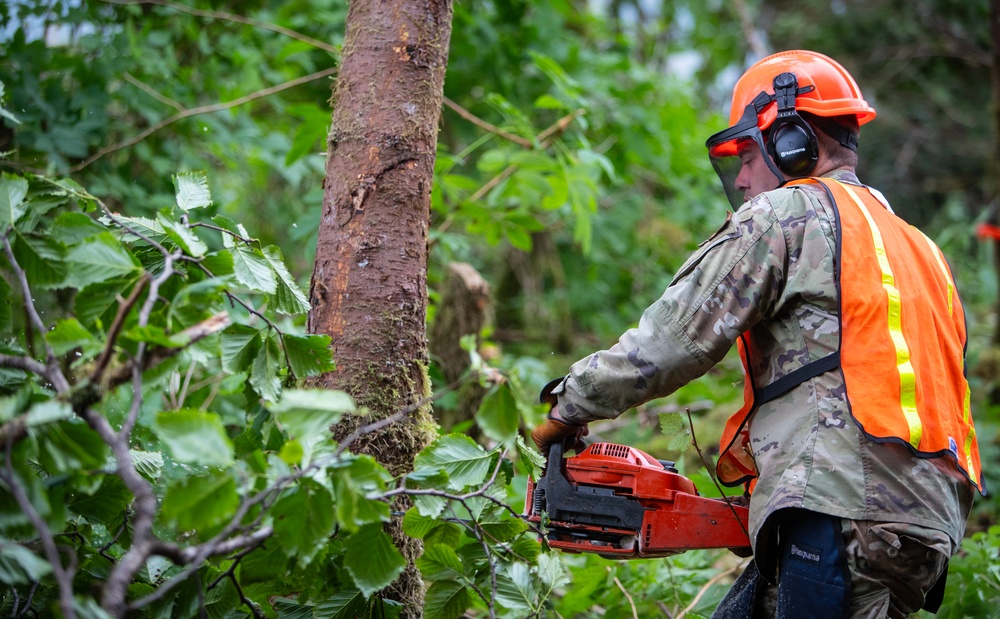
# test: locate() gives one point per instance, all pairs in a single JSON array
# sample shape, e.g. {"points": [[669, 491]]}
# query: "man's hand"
{"points": [[555, 429]]}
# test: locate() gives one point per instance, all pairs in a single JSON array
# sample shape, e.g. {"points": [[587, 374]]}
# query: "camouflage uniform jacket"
{"points": [[769, 271]]}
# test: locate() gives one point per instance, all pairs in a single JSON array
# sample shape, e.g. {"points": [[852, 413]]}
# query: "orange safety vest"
{"points": [[902, 344]]}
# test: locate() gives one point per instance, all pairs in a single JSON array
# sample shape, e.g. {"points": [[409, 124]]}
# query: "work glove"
{"points": [[555, 429]]}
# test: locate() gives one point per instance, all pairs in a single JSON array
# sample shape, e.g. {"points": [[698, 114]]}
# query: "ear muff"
{"points": [[791, 140]]}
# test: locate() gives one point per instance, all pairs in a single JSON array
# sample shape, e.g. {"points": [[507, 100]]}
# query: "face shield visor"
{"points": [[740, 157]]}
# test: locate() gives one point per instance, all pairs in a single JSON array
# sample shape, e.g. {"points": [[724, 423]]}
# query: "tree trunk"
{"points": [[368, 287], [464, 309]]}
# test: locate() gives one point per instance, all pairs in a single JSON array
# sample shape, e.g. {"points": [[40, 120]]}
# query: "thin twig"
{"points": [[195, 111], [64, 577], [493, 182], [628, 596], [544, 138], [482, 124], [114, 540], [477, 532], [559, 126], [728, 501], [298, 36], [149, 90], [25, 363], [53, 373], [187, 383], [704, 589], [193, 557], [124, 307], [201, 224]]}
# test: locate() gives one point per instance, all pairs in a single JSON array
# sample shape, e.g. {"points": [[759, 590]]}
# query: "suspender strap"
{"points": [[793, 379]]}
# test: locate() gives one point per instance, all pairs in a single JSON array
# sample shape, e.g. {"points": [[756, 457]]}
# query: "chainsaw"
{"points": [[621, 503]]}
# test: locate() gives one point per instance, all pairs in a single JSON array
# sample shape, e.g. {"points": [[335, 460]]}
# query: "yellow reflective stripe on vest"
{"points": [[944, 271], [971, 436], [907, 378]]}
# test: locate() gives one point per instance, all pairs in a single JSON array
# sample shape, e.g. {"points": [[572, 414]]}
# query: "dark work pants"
{"points": [[813, 578]]}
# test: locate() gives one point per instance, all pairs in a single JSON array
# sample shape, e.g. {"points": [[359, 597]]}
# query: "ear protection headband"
{"points": [[792, 142]]}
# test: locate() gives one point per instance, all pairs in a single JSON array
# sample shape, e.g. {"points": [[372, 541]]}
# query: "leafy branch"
{"points": [[204, 109], [150, 296]]}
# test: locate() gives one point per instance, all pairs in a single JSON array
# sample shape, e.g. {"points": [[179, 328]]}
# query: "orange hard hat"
{"points": [[835, 93]]}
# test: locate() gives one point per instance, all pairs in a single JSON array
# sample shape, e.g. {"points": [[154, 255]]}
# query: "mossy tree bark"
{"points": [[368, 286]]}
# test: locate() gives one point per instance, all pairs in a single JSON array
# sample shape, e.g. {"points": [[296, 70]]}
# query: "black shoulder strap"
{"points": [[793, 379]]}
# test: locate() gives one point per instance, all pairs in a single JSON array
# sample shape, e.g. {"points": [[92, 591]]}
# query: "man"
{"points": [[855, 443]]}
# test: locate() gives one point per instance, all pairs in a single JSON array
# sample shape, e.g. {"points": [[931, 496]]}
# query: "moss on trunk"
{"points": [[369, 289]]}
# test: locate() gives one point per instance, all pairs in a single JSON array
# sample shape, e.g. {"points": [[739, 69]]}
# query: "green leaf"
{"points": [[219, 263], [498, 414], [371, 559], [313, 401], [13, 189], [548, 102], [532, 461], [303, 520], [240, 345], [69, 445], [526, 548], [466, 463], [157, 336], [95, 300], [288, 609], [264, 371], [493, 161], [69, 187], [69, 334], [195, 437], [289, 298], [416, 525], [149, 464], [20, 566], [429, 505], [448, 534], [446, 599], [354, 478], [201, 503], [309, 355], [292, 452], [551, 572], [104, 505], [184, 237], [307, 415], [134, 226], [71, 228], [503, 530], [99, 259], [191, 190], [440, 562], [88, 608], [310, 134], [516, 588], [41, 258], [345, 604], [252, 269], [677, 430]]}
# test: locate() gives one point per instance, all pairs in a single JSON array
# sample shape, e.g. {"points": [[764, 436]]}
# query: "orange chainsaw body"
{"points": [[621, 503]]}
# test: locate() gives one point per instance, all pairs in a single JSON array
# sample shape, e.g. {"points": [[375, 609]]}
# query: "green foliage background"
{"points": [[577, 224]]}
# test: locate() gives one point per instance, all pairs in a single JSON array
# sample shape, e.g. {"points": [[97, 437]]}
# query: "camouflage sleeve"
{"points": [[723, 289]]}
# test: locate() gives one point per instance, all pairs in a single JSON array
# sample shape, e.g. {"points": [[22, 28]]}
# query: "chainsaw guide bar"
{"points": [[621, 503]]}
